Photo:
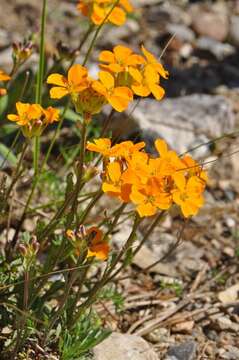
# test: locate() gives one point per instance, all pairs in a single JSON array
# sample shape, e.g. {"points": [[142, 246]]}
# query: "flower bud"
{"points": [[22, 249]]}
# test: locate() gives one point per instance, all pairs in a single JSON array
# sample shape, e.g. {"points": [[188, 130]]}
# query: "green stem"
{"points": [[107, 274], [40, 73], [36, 145], [17, 171], [97, 33], [39, 84]]}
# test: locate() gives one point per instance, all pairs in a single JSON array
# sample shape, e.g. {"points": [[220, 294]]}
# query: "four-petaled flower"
{"points": [[100, 11]]}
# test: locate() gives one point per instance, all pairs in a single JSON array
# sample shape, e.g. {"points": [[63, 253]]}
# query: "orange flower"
{"points": [[51, 115], [76, 81], [150, 197], [193, 168], [94, 243], [98, 10], [113, 184], [79, 85], [33, 118], [121, 59], [146, 82], [188, 195], [117, 96], [101, 146], [153, 65]]}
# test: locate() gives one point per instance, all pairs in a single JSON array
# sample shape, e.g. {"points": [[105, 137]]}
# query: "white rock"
{"points": [[124, 347], [229, 295]]}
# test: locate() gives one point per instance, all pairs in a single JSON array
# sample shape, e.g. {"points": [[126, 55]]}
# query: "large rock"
{"points": [[183, 122], [212, 22], [124, 347], [184, 351]]}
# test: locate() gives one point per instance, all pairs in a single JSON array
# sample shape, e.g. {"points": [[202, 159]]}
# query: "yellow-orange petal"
{"points": [[126, 5], [99, 87], [107, 79], [136, 75], [114, 171], [77, 74], [107, 57], [117, 17], [100, 145], [58, 92], [146, 209], [140, 90], [122, 53], [161, 147], [179, 180], [13, 117], [100, 251], [57, 79], [150, 57], [157, 91], [118, 103]]}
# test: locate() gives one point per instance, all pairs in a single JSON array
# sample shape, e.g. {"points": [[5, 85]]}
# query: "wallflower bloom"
{"points": [[117, 96], [150, 197], [98, 10], [76, 81], [152, 64], [120, 59], [32, 118], [188, 195], [79, 86], [90, 239], [113, 184], [146, 82], [101, 146]]}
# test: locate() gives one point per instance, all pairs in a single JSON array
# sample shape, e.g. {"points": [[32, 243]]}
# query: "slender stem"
{"points": [[107, 274], [16, 174], [89, 207], [80, 166], [39, 85], [36, 142], [97, 33], [40, 74]]}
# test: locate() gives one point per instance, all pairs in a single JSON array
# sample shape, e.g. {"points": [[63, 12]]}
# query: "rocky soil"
{"points": [[185, 307]]}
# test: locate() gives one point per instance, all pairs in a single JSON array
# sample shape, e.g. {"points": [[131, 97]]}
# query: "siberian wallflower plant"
{"points": [[111, 11], [52, 268]]}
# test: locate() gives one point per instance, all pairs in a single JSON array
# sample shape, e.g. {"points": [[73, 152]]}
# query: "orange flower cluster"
{"points": [[96, 245], [151, 183], [3, 77], [33, 118], [123, 74], [99, 11]]}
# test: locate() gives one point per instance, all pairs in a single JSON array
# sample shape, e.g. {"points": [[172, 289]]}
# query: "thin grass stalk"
{"points": [[39, 84]]}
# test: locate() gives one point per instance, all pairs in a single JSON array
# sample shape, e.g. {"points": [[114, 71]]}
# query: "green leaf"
{"points": [[3, 103], [7, 129], [71, 115], [7, 153]]}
